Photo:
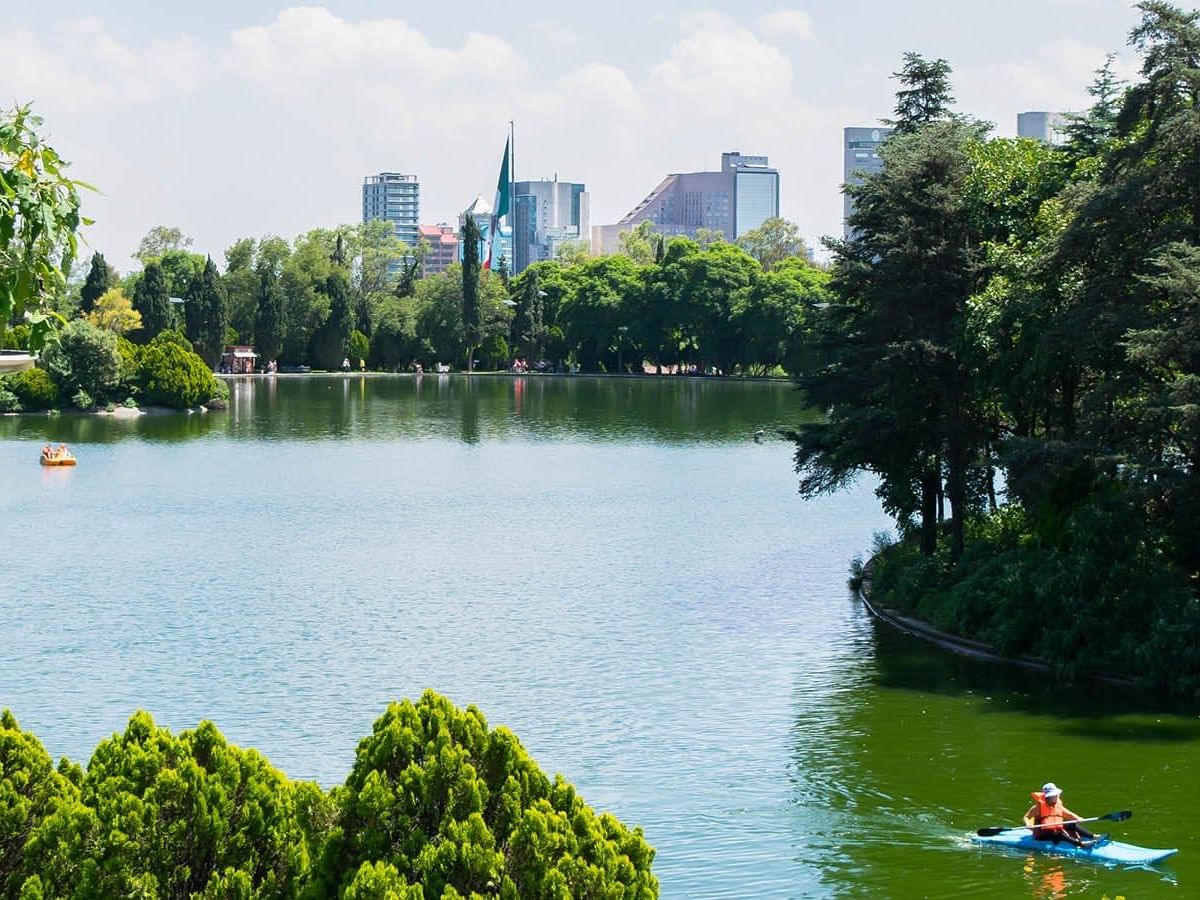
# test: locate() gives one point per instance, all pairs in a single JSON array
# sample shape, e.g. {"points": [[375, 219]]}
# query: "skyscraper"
{"points": [[395, 198], [1042, 126], [737, 199], [861, 158], [548, 214]]}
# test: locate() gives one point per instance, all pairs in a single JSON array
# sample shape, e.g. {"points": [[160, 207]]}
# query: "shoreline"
{"points": [[746, 379], [966, 647]]}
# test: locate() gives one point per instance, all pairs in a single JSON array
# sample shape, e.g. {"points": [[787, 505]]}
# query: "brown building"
{"points": [[238, 360], [443, 247]]}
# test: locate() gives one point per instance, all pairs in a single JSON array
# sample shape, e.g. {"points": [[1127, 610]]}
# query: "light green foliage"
{"points": [[171, 374], [159, 241], [437, 805], [360, 346], [39, 215], [772, 242], [8, 400], [640, 243], [597, 307], [84, 358], [83, 400], [34, 388], [30, 788], [165, 815], [438, 798]]}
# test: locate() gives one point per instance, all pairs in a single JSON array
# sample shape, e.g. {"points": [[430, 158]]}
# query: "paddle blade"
{"points": [[1118, 816], [991, 832]]}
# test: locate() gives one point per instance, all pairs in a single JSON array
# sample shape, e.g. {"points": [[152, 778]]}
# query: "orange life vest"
{"points": [[1049, 815]]}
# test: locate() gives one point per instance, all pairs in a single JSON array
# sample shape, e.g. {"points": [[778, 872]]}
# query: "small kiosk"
{"points": [[238, 360]]}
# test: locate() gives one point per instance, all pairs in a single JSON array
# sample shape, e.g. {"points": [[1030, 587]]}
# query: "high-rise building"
{"points": [[441, 247], [395, 198], [736, 199], [481, 211], [1042, 126], [546, 215], [861, 149]]}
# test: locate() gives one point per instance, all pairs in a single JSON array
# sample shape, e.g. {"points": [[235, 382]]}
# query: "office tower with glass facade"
{"points": [[395, 198], [547, 214], [736, 199], [1049, 127], [861, 158]]}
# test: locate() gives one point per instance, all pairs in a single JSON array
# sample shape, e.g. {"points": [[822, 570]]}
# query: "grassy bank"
{"points": [[1094, 591]]}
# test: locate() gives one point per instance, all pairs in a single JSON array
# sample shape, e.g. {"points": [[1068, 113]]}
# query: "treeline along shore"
{"points": [[1014, 351]]}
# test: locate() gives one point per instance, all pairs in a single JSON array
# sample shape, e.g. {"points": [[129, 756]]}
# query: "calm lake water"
{"points": [[613, 568]]}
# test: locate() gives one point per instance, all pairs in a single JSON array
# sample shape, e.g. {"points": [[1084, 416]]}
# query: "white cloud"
{"points": [[557, 35], [1054, 78], [787, 23]]}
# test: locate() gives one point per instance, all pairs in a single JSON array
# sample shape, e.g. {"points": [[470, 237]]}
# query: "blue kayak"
{"points": [[1106, 851]]}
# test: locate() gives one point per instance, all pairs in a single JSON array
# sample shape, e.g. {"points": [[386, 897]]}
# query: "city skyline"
{"points": [[257, 119]]}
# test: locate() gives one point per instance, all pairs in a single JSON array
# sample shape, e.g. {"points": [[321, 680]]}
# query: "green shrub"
{"points": [[82, 399], [360, 347], [172, 375], [85, 358], [130, 403], [437, 805], [437, 795], [8, 400], [35, 389]]}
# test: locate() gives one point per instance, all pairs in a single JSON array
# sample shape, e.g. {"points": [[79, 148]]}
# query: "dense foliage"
{"points": [[437, 805], [84, 358], [171, 374], [1014, 344], [34, 388], [39, 215]]}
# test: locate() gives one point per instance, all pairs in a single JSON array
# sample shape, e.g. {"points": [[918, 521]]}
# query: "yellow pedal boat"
{"points": [[67, 460]]}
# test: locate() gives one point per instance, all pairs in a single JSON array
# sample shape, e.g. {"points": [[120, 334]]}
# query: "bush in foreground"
{"points": [[437, 806], [85, 358]]}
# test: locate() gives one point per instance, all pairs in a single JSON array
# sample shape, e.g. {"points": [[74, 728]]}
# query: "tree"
{"points": [[84, 358], [925, 96], [705, 237], [197, 817], [1088, 134], [572, 253], [30, 788], [359, 347], [160, 240], [268, 327], [100, 279], [152, 301], [204, 311], [114, 312], [461, 809], [172, 374], [472, 334], [328, 347], [639, 244], [39, 216], [895, 373], [773, 242]]}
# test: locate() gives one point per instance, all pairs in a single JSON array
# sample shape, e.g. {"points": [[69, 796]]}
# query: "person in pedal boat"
{"points": [[1051, 821]]}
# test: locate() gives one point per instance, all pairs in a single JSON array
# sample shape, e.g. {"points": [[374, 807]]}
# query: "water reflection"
{"points": [[458, 408], [904, 754]]}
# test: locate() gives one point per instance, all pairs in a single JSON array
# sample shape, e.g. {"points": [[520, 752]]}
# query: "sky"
{"points": [[235, 118]]}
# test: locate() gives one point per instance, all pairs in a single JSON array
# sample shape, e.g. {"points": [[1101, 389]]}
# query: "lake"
{"points": [[614, 568]]}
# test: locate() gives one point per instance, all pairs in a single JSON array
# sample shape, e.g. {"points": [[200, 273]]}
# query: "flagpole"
{"points": [[512, 194]]}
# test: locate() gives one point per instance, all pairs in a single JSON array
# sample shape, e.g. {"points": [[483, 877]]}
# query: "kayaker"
{"points": [[1051, 821]]}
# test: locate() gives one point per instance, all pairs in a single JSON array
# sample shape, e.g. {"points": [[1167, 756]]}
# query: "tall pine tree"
{"points": [[204, 313], [268, 324], [150, 298], [470, 276], [100, 278]]}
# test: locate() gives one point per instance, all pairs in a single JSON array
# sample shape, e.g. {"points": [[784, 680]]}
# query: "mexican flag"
{"points": [[500, 207]]}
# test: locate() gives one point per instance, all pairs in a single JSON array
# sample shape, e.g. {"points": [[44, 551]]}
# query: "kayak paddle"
{"points": [[1111, 817]]}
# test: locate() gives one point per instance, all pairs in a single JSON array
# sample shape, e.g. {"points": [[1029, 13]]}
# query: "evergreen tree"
{"points": [[209, 337], [328, 345], [268, 325], [470, 292], [925, 96], [151, 300], [1088, 133], [894, 378], [100, 278]]}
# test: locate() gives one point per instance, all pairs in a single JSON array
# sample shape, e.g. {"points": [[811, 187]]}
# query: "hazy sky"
{"points": [[242, 118]]}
